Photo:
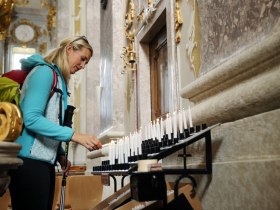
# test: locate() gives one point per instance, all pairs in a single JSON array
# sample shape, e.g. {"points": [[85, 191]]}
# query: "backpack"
{"points": [[11, 83]]}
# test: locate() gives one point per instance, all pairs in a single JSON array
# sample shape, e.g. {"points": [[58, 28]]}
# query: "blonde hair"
{"points": [[58, 55]]}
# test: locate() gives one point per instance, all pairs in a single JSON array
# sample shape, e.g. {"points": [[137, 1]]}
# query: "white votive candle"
{"points": [[175, 124], [190, 117]]}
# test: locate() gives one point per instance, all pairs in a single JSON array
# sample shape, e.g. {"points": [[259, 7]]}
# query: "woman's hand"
{"points": [[88, 141], [61, 160]]}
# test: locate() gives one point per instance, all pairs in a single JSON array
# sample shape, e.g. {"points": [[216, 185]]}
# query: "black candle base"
{"points": [[191, 130]]}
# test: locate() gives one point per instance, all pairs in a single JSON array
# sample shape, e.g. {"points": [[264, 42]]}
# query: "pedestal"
{"points": [[8, 160]]}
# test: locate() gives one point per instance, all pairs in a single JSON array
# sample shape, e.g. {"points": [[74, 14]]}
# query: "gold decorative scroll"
{"points": [[43, 48], [128, 53], [6, 8], [129, 16], [10, 121], [193, 43], [51, 17], [178, 21]]}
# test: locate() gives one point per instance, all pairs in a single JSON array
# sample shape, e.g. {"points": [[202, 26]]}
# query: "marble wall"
{"points": [[92, 78], [246, 165], [229, 27], [106, 56], [238, 87]]}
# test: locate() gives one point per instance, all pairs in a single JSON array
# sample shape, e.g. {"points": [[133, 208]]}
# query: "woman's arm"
{"points": [[34, 104]]}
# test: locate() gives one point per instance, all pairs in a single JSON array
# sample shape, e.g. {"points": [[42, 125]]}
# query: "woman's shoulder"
{"points": [[41, 73], [45, 67]]}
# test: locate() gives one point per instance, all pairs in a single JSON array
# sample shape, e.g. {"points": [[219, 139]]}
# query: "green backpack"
{"points": [[9, 90], [11, 83]]}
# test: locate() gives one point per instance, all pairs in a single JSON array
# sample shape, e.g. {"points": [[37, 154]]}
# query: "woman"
{"points": [[32, 184]]}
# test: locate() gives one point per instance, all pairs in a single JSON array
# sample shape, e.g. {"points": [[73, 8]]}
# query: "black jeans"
{"points": [[32, 185]]}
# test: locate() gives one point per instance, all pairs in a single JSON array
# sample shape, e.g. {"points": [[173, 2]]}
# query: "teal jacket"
{"points": [[42, 135]]}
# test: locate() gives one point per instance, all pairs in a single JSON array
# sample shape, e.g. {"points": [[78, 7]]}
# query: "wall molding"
{"points": [[244, 85], [109, 135]]}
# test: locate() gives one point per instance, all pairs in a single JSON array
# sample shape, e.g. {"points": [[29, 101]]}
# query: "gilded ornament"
{"points": [[178, 22], [128, 53], [6, 8], [51, 17], [10, 121]]}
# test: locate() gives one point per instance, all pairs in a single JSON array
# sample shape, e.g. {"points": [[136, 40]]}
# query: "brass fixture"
{"points": [[128, 53], [129, 57], [132, 57]]}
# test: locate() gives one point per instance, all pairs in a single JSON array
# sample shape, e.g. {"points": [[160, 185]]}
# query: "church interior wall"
{"points": [[242, 66], [224, 64], [224, 90]]}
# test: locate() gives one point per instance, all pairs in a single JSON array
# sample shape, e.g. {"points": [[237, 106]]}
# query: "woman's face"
{"points": [[77, 59]]}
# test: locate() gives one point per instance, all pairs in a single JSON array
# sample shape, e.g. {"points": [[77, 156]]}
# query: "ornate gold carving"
{"points": [[129, 58], [51, 17], [6, 8], [128, 53], [178, 21], [43, 48], [129, 17], [10, 121]]}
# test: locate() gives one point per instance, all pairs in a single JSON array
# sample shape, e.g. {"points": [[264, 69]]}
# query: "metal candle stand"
{"points": [[170, 146]]}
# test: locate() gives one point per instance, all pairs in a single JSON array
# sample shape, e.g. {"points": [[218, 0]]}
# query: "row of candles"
{"points": [[120, 150]]}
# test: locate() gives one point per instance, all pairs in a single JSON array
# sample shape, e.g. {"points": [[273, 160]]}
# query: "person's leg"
{"points": [[31, 186], [52, 188]]}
